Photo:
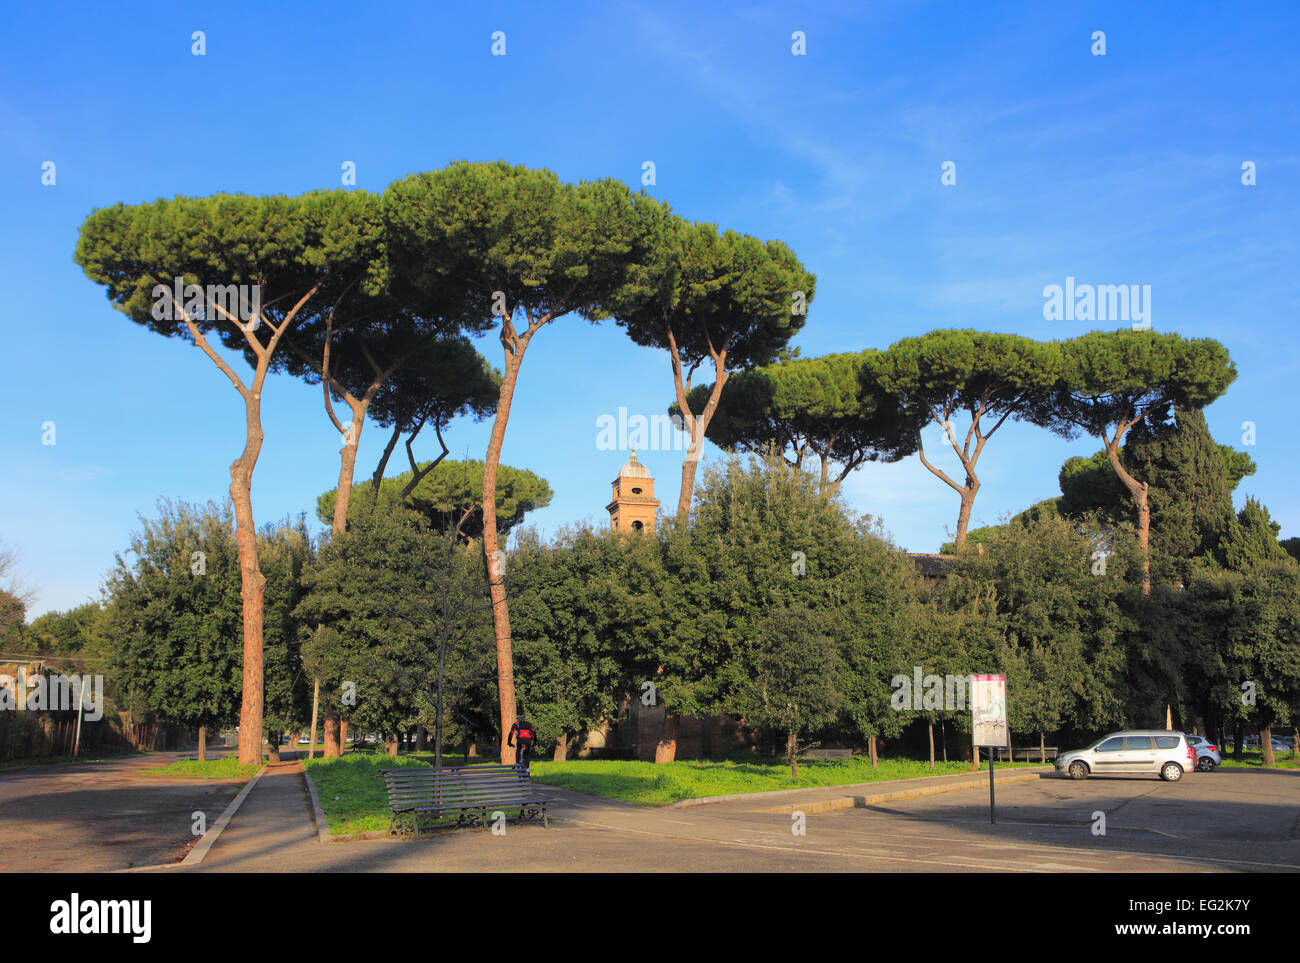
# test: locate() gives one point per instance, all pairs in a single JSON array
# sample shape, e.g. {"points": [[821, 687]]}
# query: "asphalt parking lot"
{"points": [[1227, 821]]}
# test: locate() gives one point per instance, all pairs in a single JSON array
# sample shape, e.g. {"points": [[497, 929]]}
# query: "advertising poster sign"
{"points": [[989, 710]]}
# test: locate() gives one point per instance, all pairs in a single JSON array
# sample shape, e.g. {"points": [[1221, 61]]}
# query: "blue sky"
{"points": [[1115, 169]]}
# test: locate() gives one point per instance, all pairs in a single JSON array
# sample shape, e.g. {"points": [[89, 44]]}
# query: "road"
{"points": [[96, 816]]}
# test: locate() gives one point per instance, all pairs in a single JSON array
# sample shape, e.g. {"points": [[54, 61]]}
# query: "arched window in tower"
{"points": [[637, 526], [636, 491]]}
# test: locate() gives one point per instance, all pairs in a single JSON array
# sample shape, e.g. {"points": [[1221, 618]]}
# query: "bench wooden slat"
{"points": [[461, 790]]}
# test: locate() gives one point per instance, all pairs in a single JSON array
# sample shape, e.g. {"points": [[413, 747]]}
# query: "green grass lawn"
{"points": [[227, 767], [353, 798], [351, 790], [1254, 759], [658, 785]]}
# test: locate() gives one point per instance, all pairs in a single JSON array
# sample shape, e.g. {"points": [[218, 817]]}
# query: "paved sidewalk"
{"points": [[272, 829]]}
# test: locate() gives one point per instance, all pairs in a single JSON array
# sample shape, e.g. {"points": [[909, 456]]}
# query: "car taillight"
{"points": [[1191, 754], [1212, 748]]}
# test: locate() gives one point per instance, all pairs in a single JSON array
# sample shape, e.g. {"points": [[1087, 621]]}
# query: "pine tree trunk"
{"points": [[203, 743], [332, 748], [1042, 749], [496, 569], [315, 705], [697, 425], [871, 747], [1266, 745], [666, 750], [252, 582], [1139, 492], [343, 736], [930, 727], [561, 748], [790, 748], [963, 513]]}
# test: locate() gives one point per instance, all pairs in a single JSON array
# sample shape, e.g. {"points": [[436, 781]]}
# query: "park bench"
{"points": [[468, 792], [1027, 753], [827, 754]]}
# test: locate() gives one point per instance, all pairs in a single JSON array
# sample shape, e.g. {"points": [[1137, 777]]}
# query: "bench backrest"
{"points": [[457, 786]]}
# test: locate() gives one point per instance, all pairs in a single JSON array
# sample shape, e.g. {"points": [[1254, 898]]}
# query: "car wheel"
{"points": [[1171, 772], [1078, 770], [1205, 764]]}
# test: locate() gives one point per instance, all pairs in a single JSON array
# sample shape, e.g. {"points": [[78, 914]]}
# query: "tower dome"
{"points": [[633, 468]]}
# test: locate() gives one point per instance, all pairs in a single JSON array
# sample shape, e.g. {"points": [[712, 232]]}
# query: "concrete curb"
{"points": [[322, 825], [197, 854], [861, 801]]}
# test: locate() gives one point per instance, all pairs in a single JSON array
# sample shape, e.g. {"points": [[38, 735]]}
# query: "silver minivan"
{"points": [[1160, 751]]}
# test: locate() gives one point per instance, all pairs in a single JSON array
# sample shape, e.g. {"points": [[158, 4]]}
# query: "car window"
{"points": [[1167, 742], [1112, 745], [1137, 742]]}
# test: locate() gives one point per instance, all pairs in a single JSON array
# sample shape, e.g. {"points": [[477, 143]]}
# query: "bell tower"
{"points": [[634, 506]]}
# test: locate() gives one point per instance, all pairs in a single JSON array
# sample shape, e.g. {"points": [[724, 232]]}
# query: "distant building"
{"points": [[634, 506], [934, 569]]}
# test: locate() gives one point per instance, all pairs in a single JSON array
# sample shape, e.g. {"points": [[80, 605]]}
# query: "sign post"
{"points": [[988, 706]]}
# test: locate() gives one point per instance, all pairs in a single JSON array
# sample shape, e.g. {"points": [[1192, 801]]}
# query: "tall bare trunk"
{"points": [[666, 750], [561, 748], [791, 755], [252, 582], [930, 727], [347, 468], [493, 557], [1266, 745], [697, 425], [315, 706], [871, 748], [963, 513], [377, 479], [203, 743], [343, 736], [1138, 490], [1042, 749]]}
